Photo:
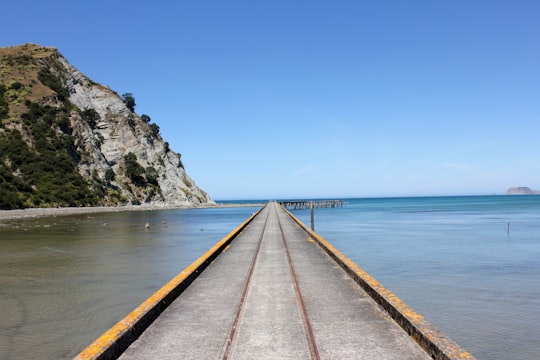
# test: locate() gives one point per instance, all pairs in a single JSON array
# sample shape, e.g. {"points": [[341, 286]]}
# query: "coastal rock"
{"points": [[109, 137], [521, 190]]}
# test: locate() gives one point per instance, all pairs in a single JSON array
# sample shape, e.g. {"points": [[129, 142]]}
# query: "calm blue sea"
{"points": [[470, 265]]}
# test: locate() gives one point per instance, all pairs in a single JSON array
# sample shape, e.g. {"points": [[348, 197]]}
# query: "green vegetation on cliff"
{"points": [[38, 154], [47, 171], [66, 140]]}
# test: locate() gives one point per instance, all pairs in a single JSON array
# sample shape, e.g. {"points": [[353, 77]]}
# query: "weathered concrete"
{"points": [[264, 317], [112, 343], [434, 342], [346, 322]]}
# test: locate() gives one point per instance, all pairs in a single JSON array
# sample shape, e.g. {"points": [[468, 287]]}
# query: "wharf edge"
{"points": [[116, 340], [431, 339]]}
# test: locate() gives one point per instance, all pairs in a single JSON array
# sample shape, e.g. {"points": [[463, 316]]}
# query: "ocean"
{"points": [[470, 265]]}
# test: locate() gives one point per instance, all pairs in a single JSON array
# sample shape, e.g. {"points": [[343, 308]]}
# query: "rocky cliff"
{"points": [[67, 141]]}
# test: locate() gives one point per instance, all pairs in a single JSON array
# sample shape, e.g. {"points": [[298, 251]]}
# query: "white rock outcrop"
{"points": [[118, 132]]}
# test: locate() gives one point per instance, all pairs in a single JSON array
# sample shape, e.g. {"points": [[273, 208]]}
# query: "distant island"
{"points": [[521, 190]]}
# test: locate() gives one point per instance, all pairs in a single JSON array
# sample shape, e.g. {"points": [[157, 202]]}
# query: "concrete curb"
{"points": [[432, 340], [116, 340]]}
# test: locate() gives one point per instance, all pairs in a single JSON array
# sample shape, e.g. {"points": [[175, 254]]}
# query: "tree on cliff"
{"points": [[133, 169], [129, 100], [146, 118]]}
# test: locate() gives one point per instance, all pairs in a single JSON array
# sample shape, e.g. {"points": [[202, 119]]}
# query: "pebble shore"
{"points": [[44, 212]]}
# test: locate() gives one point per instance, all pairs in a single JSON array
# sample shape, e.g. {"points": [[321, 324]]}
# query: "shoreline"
{"points": [[17, 214]]}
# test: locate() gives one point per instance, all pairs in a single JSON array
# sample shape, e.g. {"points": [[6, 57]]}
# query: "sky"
{"points": [[331, 99]]}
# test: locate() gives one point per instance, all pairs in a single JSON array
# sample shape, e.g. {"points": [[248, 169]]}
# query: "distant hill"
{"points": [[522, 190], [66, 140]]}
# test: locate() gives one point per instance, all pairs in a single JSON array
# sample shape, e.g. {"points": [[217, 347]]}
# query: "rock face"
{"points": [[522, 190], [118, 153]]}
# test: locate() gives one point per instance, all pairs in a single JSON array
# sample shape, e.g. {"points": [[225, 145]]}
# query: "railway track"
{"points": [[272, 216], [271, 294]]}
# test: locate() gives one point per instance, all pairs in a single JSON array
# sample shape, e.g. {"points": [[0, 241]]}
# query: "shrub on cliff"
{"points": [[134, 170], [47, 78], [129, 100], [4, 105]]}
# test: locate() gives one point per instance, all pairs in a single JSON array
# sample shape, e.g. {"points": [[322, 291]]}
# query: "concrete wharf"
{"points": [[273, 289]]}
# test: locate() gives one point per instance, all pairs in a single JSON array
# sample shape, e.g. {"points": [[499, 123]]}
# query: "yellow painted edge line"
{"points": [[432, 340], [99, 348]]}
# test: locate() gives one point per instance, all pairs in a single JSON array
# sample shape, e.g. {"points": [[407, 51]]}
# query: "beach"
{"points": [[63, 211]]}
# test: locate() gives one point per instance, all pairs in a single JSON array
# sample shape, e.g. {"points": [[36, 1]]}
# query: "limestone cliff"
{"points": [[120, 156]]}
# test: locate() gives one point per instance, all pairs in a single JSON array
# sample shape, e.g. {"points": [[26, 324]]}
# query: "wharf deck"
{"points": [[273, 293]]}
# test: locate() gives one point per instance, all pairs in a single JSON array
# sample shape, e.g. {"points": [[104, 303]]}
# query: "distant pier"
{"points": [[308, 204]]}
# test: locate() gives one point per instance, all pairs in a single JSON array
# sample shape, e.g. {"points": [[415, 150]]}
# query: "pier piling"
{"points": [[308, 204]]}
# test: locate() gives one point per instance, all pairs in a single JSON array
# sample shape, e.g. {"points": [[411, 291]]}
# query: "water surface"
{"points": [[470, 265], [66, 280]]}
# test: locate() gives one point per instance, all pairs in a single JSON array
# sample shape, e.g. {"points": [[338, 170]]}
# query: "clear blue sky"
{"points": [[280, 99]]}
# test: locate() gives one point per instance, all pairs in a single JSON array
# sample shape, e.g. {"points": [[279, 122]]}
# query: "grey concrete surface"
{"points": [[346, 323]]}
